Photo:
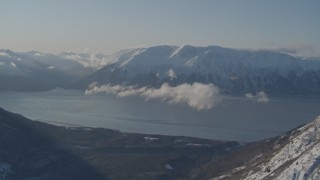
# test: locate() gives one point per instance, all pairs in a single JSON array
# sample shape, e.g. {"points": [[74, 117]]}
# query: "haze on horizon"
{"points": [[108, 26]]}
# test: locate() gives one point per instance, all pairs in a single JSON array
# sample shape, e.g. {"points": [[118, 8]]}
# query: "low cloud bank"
{"points": [[197, 95], [260, 96]]}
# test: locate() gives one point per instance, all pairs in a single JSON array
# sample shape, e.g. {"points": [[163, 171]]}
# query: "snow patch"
{"points": [[176, 52], [191, 62], [168, 166], [233, 78], [39, 54], [80, 147], [198, 145], [50, 67], [13, 64], [221, 177], [132, 55], [172, 74], [150, 138]]}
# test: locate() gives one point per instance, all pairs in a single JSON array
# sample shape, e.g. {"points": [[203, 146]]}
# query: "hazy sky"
{"points": [[110, 25]]}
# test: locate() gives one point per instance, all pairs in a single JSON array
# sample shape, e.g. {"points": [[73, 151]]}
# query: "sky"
{"points": [[107, 26]]}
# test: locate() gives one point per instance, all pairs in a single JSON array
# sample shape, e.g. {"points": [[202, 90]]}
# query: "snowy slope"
{"points": [[52, 61], [205, 57], [15, 64], [294, 156], [299, 159], [230, 69], [26, 72]]}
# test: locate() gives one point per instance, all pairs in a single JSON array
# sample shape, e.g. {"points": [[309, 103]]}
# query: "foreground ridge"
{"points": [[295, 155]]}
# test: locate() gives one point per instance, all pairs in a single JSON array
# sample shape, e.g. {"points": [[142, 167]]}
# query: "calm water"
{"points": [[234, 118]]}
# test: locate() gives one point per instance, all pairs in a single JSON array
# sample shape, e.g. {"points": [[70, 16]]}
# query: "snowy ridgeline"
{"points": [[193, 56], [169, 60], [230, 69], [299, 158], [205, 58]]}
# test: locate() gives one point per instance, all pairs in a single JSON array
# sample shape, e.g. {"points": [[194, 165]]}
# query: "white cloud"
{"points": [[198, 96], [260, 96], [172, 74]]}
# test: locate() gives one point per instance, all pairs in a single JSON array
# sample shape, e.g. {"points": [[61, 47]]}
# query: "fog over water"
{"points": [[232, 118]]}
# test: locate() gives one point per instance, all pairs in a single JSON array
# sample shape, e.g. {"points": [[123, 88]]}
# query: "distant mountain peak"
{"points": [[232, 70]]}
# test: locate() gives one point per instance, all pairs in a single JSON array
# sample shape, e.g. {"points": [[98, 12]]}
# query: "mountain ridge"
{"points": [[232, 70]]}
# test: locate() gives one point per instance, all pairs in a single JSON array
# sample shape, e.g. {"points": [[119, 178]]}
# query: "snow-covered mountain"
{"points": [[230, 69], [70, 66], [32, 71], [295, 155], [12, 64]]}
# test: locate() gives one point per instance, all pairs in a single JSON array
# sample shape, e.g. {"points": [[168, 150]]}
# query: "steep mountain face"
{"points": [[295, 155], [298, 157], [232, 70]]}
